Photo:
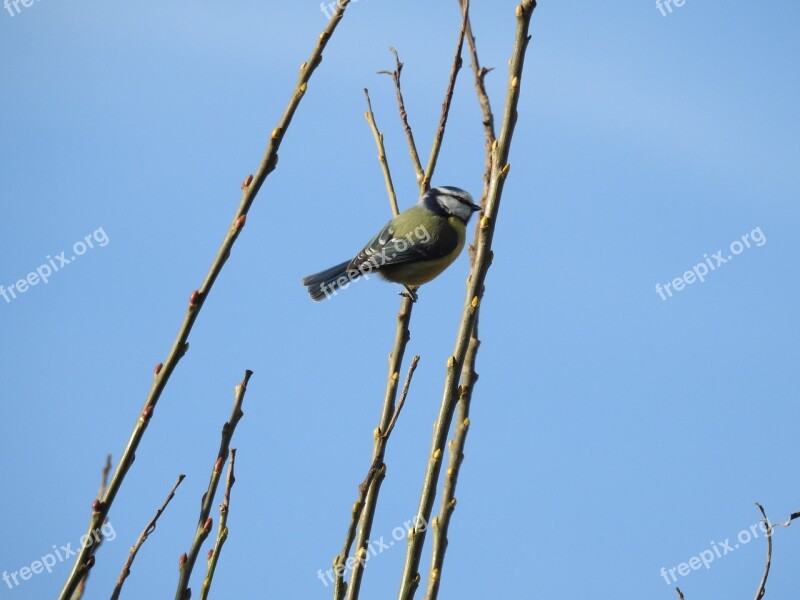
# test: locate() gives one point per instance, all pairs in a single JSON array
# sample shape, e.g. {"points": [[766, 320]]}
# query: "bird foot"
{"points": [[409, 293]]}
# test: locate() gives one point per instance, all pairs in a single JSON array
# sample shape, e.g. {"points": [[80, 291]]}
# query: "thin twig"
{"points": [[787, 522], [412, 367], [364, 511], [448, 97], [377, 468], [78, 594], [441, 523], [204, 522], [475, 287], [680, 593], [382, 437], [389, 411], [150, 528], [762, 587], [479, 74], [104, 477], [250, 187], [222, 529], [387, 175], [412, 146]]}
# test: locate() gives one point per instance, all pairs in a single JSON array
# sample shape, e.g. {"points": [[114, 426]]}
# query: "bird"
{"points": [[411, 249]]}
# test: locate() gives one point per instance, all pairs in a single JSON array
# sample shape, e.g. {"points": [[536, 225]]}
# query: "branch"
{"points": [[402, 400], [368, 498], [680, 593], [475, 288], [204, 523], [483, 99], [78, 594], [222, 529], [150, 528], [412, 147], [378, 468], [104, 477], [387, 175], [762, 587], [365, 506], [441, 523], [448, 97], [250, 187]]}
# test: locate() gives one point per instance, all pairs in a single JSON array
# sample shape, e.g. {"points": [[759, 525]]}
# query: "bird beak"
{"points": [[474, 207]]}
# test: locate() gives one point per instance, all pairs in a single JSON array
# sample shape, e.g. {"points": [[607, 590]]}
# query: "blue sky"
{"points": [[613, 433]]}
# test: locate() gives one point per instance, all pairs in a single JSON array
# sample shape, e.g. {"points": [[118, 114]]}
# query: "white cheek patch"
{"points": [[455, 207]]}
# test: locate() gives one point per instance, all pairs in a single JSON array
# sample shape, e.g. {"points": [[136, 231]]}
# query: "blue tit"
{"points": [[411, 249]]}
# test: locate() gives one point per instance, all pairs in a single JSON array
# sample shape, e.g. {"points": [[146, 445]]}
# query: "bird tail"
{"points": [[324, 284]]}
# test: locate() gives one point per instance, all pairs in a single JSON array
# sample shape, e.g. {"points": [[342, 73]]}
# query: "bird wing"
{"points": [[388, 247]]}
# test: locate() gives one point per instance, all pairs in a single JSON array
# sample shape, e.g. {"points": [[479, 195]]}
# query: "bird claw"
{"points": [[409, 293]]}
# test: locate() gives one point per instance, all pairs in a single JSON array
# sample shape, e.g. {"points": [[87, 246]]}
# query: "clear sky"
{"points": [[614, 433]]}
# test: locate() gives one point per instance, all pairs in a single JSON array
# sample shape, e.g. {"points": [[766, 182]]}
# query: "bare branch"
{"points": [[149, 528], [762, 587], [475, 287], [412, 367], [440, 524], [104, 477], [204, 522], [412, 146], [222, 529], [387, 175], [448, 97], [250, 187], [78, 594], [363, 510], [479, 74]]}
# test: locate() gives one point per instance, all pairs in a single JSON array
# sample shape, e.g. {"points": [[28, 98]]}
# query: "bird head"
{"points": [[451, 201]]}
